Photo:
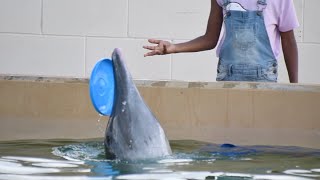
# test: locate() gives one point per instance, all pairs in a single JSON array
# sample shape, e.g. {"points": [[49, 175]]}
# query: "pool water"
{"points": [[191, 160]]}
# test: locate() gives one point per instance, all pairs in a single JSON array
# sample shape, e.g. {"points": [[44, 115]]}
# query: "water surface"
{"points": [[191, 160]]}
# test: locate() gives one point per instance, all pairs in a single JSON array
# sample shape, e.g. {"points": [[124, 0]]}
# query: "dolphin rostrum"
{"points": [[133, 132]]}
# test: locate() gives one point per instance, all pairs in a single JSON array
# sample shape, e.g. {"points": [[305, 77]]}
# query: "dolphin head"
{"points": [[133, 132]]}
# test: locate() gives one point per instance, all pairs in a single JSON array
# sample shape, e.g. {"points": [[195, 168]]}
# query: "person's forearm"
{"points": [[290, 51], [201, 43], [206, 42]]}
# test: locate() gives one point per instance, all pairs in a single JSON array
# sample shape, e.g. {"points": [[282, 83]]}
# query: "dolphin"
{"points": [[133, 132]]}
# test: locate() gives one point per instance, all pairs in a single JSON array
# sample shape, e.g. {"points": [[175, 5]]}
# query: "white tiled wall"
{"points": [[42, 55], [309, 63], [85, 17], [67, 37], [201, 65], [170, 19], [311, 24], [20, 16]]}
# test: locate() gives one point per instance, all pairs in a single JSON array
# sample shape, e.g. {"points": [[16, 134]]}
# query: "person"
{"points": [[250, 44]]}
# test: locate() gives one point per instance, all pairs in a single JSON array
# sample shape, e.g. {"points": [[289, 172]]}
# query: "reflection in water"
{"points": [[64, 159]]}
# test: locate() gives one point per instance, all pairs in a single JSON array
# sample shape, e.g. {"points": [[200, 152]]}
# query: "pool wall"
{"points": [[224, 112]]}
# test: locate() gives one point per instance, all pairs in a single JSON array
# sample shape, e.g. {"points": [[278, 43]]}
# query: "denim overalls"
{"points": [[246, 53]]}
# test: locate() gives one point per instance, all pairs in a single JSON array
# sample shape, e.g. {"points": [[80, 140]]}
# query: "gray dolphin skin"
{"points": [[133, 132]]}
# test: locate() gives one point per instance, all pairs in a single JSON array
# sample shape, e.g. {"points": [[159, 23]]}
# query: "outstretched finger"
{"points": [[149, 47], [152, 53], [154, 41]]}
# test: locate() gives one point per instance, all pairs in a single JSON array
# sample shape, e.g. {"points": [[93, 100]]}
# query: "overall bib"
{"points": [[246, 53]]}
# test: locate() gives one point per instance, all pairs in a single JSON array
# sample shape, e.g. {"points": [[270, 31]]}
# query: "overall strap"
{"points": [[225, 3], [261, 5], [262, 2]]}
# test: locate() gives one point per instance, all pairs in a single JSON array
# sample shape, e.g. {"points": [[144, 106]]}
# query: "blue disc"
{"points": [[102, 87]]}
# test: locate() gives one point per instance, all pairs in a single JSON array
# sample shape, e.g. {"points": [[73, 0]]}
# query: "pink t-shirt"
{"points": [[279, 16]]}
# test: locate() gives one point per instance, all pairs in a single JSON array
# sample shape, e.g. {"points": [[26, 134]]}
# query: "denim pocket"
{"points": [[271, 72], [244, 36], [222, 73]]}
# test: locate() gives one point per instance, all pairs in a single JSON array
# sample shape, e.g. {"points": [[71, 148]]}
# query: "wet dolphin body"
{"points": [[133, 132]]}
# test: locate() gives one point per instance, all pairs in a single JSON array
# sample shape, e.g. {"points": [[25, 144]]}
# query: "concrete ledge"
{"points": [[225, 112]]}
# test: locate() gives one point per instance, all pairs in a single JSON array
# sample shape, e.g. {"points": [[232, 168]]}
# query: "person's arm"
{"points": [[290, 51], [206, 42]]}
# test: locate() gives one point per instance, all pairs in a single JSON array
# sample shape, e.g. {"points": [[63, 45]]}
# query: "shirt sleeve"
{"points": [[220, 2], [287, 19]]}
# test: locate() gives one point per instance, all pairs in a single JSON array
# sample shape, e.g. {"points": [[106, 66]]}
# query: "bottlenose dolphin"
{"points": [[133, 132]]}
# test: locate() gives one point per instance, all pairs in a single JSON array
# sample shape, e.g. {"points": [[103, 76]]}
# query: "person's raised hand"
{"points": [[160, 48]]}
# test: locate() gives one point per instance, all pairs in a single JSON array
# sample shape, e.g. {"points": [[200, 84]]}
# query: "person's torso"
{"points": [[271, 14], [246, 53]]}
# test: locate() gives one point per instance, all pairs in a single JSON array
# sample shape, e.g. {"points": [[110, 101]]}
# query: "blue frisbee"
{"points": [[102, 87]]}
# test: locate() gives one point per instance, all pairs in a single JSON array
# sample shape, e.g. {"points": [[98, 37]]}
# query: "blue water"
{"points": [[191, 160]]}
